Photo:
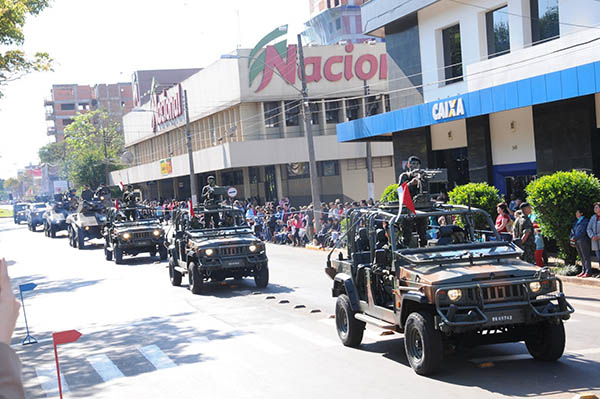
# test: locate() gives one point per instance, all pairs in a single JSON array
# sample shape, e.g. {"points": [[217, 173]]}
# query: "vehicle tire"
{"points": [[107, 253], [423, 343], [80, 239], [70, 234], [162, 252], [348, 328], [34, 227], [52, 231], [174, 274], [46, 232], [547, 343], [152, 254], [261, 277], [118, 252], [195, 279]]}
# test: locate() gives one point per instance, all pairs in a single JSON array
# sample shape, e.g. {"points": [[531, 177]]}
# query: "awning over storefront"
{"points": [[561, 85]]}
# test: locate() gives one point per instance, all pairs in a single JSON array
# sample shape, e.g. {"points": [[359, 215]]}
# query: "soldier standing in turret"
{"points": [[210, 201], [415, 183], [130, 202], [86, 193]]}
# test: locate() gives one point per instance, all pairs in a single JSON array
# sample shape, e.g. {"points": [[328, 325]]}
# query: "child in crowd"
{"points": [[539, 248]]}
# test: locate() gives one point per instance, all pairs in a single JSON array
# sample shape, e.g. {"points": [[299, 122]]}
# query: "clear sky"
{"points": [[104, 41]]}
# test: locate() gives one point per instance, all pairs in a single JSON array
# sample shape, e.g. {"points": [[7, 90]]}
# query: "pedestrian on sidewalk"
{"points": [[11, 385], [593, 230], [582, 242], [539, 247]]}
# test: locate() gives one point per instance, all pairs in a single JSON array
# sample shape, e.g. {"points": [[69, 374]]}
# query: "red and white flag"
{"points": [[122, 186], [405, 199]]}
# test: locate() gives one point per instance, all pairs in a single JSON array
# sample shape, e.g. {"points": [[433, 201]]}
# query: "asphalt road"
{"points": [[143, 338]]}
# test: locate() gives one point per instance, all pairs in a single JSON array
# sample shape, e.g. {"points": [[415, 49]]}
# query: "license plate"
{"points": [[506, 317], [234, 262]]}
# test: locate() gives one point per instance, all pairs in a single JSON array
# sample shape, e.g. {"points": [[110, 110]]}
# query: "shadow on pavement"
{"points": [[45, 286], [242, 287]]}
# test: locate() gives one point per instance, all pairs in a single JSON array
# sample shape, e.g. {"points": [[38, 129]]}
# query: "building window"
{"points": [[328, 168], [292, 112], [315, 111], [382, 162], [67, 122], [332, 111], [498, 36], [272, 114], [336, 3], [83, 106], [544, 20], [67, 107], [253, 172], [338, 24], [233, 178], [356, 164], [298, 170], [372, 105], [352, 109], [452, 54]]}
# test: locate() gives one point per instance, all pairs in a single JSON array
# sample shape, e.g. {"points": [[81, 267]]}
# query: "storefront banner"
{"points": [[166, 167], [60, 186]]}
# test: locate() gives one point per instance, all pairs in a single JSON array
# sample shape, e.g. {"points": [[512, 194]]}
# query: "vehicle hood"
{"points": [[132, 228], [211, 242], [459, 273]]}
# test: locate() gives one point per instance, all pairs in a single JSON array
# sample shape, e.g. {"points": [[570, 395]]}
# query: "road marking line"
{"points": [[523, 356], [261, 344], [584, 303], [157, 357], [589, 351], [105, 367], [587, 312], [307, 335], [47, 379]]}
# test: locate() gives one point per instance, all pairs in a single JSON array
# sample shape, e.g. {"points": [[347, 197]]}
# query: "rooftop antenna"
{"points": [[239, 25]]}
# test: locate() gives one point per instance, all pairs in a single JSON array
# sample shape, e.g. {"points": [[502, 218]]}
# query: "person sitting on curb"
{"points": [[11, 385]]}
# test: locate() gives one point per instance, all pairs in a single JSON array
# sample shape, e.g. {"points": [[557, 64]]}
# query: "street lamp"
{"points": [[312, 163]]}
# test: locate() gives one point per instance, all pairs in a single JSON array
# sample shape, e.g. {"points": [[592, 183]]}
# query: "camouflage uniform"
{"points": [[522, 225]]}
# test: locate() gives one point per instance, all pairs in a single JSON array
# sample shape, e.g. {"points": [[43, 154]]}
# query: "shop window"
{"points": [[356, 164], [272, 114], [544, 20], [233, 178], [452, 54], [292, 112], [352, 109], [253, 172], [328, 168], [498, 36], [67, 107], [332, 111], [315, 111], [298, 170]]}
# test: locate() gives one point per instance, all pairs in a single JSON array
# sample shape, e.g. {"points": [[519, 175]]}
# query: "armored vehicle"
{"points": [[463, 287], [133, 231], [85, 223], [55, 218], [215, 244], [35, 214], [20, 212]]}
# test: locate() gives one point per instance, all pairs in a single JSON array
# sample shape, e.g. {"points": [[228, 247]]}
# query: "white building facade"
{"points": [[494, 90], [246, 126]]}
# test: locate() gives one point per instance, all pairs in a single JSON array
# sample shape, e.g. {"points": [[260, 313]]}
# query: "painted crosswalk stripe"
{"points": [[307, 335], [105, 367], [261, 344], [157, 357], [47, 379], [579, 311]]}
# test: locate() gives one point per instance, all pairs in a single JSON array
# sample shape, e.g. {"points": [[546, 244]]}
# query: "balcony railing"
{"points": [[50, 115], [51, 130]]}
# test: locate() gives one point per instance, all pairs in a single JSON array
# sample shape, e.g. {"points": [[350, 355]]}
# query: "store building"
{"points": [[496, 91], [246, 126]]}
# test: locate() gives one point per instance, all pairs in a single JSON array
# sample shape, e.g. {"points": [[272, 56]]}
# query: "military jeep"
{"points": [[35, 214], [213, 245], [20, 212], [55, 218], [85, 223], [464, 286], [131, 231]]}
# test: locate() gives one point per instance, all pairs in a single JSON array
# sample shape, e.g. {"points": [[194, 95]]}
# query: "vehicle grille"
{"points": [[498, 293], [232, 251], [142, 235]]}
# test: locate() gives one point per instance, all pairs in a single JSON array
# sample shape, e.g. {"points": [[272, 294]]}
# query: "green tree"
{"points": [[478, 195], [555, 198], [55, 154], [12, 184], [93, 146], [390, 194], [14, 63]]}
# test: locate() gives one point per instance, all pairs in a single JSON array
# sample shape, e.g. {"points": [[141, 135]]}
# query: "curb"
{"points": [[584, 282], [316, 248]]}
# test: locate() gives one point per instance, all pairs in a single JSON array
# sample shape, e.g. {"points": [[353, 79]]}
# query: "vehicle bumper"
{"points": [[249, 263], [91, 232], [481, 315], [141, 246]]}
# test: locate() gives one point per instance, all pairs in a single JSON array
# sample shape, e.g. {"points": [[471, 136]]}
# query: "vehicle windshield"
{"points": [[20, 207], [218, 219], [137, 215], [39, 206]]}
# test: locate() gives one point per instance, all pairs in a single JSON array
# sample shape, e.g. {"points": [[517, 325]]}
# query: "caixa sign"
{"points": [[166, 106], [448, 109]]}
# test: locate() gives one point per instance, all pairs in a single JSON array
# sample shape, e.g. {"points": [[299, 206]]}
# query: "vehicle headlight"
{"points": [[156, 233], [87, 227], [126, 236], [454, 295], [535, 286], [102, 198], [253, 248], [209, 251]]}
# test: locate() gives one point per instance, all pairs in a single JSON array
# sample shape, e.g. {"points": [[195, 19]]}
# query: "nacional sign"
{"points": [[166, 107], [448, 109], [281, 59]]}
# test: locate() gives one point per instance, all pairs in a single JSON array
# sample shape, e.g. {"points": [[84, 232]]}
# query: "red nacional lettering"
{"points": [[166, 108], [359, 69], [348, 62], [383, 67], [273, 60], [327, 69], [315, 73]]}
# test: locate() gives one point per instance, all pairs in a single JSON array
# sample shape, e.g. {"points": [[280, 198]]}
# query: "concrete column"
{"points": [[158, 189], [278, 182], [283, 127], [247, 191], [176, 187], [344, 115], [262, 129]]}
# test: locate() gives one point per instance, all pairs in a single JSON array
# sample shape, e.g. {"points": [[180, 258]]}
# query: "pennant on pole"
{"points": [[405, 199], [59, 338], [117, 204], [192, 209]]}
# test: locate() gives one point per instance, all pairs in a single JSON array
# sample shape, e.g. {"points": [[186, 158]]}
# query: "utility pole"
{"points": [[106, 172], [312, 163], [188, 137], [370, 177]]}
